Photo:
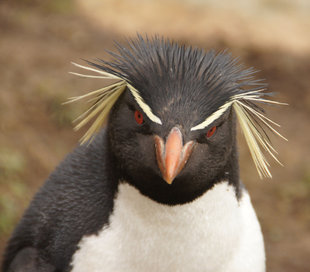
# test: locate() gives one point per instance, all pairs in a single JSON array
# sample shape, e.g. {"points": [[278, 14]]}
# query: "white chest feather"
{"points": [[216, 233]]}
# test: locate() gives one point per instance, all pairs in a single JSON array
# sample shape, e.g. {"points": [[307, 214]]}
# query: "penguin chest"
{"points": [[216, 232]]}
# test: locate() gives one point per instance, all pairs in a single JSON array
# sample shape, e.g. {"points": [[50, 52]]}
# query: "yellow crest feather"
{"points": [[105, 98]]}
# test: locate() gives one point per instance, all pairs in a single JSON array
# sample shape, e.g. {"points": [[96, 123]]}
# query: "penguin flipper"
{"points": [[28, 260]]}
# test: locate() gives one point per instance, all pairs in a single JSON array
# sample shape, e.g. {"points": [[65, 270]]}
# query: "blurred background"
{"points": [[39, 39]]}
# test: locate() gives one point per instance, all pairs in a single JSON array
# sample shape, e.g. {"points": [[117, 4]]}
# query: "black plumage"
{"points": [[168, 75], [182, 86], [76, 200]]}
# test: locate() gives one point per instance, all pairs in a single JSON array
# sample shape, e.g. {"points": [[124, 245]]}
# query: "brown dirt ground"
{"points": [[37, 43]]}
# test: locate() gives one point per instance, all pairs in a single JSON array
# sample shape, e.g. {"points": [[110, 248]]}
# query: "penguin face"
{"points": [[169, 163], [174, 109]]}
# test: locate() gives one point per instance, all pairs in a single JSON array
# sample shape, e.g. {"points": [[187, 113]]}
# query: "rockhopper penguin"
{"points": [[158, 188]]}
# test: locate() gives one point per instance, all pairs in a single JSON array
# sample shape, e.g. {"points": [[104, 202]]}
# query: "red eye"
{"points": [[211, 132], [138, 117]]}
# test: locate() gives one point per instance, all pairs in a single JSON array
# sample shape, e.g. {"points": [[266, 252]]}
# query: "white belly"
{"points": [[215, 233]]}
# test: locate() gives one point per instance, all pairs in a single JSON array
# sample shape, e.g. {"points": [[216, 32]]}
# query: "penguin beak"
{"points": [[172, 156]]}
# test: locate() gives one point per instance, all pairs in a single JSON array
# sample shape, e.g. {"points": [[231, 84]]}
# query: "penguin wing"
{"points": [[76, 200]]}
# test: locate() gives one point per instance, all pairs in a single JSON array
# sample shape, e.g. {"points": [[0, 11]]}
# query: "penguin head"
{"points": [[168, 162], [172, 126]]}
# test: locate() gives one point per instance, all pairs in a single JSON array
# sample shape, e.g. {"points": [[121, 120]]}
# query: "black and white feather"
{"points": [[221, 83]]}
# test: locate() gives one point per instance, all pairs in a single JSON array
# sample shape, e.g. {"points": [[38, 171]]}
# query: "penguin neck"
{"points": [[171, 195]]}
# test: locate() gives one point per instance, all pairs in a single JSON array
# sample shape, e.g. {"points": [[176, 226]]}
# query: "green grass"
{"points": [[12, 163], [62, 115], [8, 217], [12, 190]]}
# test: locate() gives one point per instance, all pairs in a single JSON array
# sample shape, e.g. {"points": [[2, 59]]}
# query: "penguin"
{"points": [[157, 188]]}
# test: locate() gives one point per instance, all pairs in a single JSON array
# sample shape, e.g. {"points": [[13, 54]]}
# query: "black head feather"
{"points": [[188, 87], [167, 75]]}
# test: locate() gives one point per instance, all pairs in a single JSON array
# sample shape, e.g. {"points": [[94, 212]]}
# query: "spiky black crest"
{"points": [[158, 68], [166, 78]]}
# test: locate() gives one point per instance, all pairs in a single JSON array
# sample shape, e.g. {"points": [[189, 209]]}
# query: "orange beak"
{"points": [[172, 157]]}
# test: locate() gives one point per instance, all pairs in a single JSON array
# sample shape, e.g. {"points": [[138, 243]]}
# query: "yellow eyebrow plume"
{"points": [[104, 99], [254, 138]]}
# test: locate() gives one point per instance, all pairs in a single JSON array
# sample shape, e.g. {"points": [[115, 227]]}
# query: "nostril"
{"points": [[160, 152]]}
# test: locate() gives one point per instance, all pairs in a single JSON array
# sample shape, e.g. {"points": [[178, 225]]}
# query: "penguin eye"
{"points": [[139, 117], [211, 131]]}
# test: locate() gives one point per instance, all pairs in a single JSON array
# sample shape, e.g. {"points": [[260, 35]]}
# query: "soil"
{"points": [[39, 40]]}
